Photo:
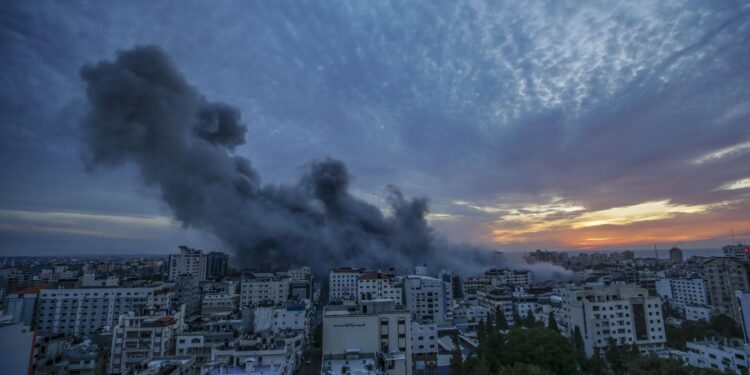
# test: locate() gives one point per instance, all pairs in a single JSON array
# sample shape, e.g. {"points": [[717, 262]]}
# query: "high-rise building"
{"points": [[426, 298], [188, 262], [624, 313], [216, 265], [675, 255], [683, 291], [725, 275]]}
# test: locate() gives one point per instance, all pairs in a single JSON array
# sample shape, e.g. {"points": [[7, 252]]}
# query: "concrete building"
{"points": [[470, 286], [224, 301], [683, 291], [675, 255], [736, 251], [718, 356], [188, 262], [136, 340], [289, 316], [374, 337], [200, 344], [17, 346], [625, 313], [452, 285], [743, 300], [89, 280], [83, 311], [725, 276], [378, 285], [257, 355], [261, 287], [216, 265], [343, 283], [504, 276], [425, 297], [697, 312], [21, 306], [424, 348], [186, 291]]}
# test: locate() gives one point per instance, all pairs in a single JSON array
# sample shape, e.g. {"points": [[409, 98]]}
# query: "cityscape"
{"points": [[352, 187], [193, 312]]}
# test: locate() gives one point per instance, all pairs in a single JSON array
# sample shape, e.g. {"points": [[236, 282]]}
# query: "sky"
{"points": [[559, 124]]}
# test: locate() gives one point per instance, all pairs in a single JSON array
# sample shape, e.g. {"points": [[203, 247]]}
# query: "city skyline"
{"points": [[612, 126]]}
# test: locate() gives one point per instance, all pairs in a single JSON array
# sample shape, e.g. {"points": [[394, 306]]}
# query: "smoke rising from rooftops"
{"points": [[143, 111]]}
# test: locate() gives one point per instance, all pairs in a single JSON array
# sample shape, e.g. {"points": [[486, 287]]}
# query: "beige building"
{"points": [[373, 337]]}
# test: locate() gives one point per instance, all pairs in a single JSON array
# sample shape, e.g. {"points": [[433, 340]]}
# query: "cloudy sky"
{"points": [[527, 124]]}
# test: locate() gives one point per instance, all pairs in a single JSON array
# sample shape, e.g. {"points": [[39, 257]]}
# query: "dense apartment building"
{"points": [[85, 310], [262, 287], [342, 283], [373, 337], [136, 340], [188, 262], [505, 276], [425, 297], [378, 285], [624, 313], [424, 348], [725, 275], [683, 291]]}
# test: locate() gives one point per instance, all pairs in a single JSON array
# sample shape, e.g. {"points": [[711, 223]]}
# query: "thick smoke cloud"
{"points": [[143, 111]]}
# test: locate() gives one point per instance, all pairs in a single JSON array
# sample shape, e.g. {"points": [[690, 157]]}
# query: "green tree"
{"points": [[523, 369], [530, 319], [552, 322], [457, 359], [580, 349], [614, 357], [541, 347], [502, 323], [595, 364], [517, 320], [318, 336]]}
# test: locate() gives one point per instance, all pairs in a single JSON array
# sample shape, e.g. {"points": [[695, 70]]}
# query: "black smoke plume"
{"points": [[143, 111]]}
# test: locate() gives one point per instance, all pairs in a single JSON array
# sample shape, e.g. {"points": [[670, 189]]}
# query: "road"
{"points": [[313, 368]]}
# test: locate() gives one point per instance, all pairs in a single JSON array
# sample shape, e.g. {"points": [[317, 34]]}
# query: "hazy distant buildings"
{"points": [[736, 251], [675, 255], [188, 262], [726, 275]]}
